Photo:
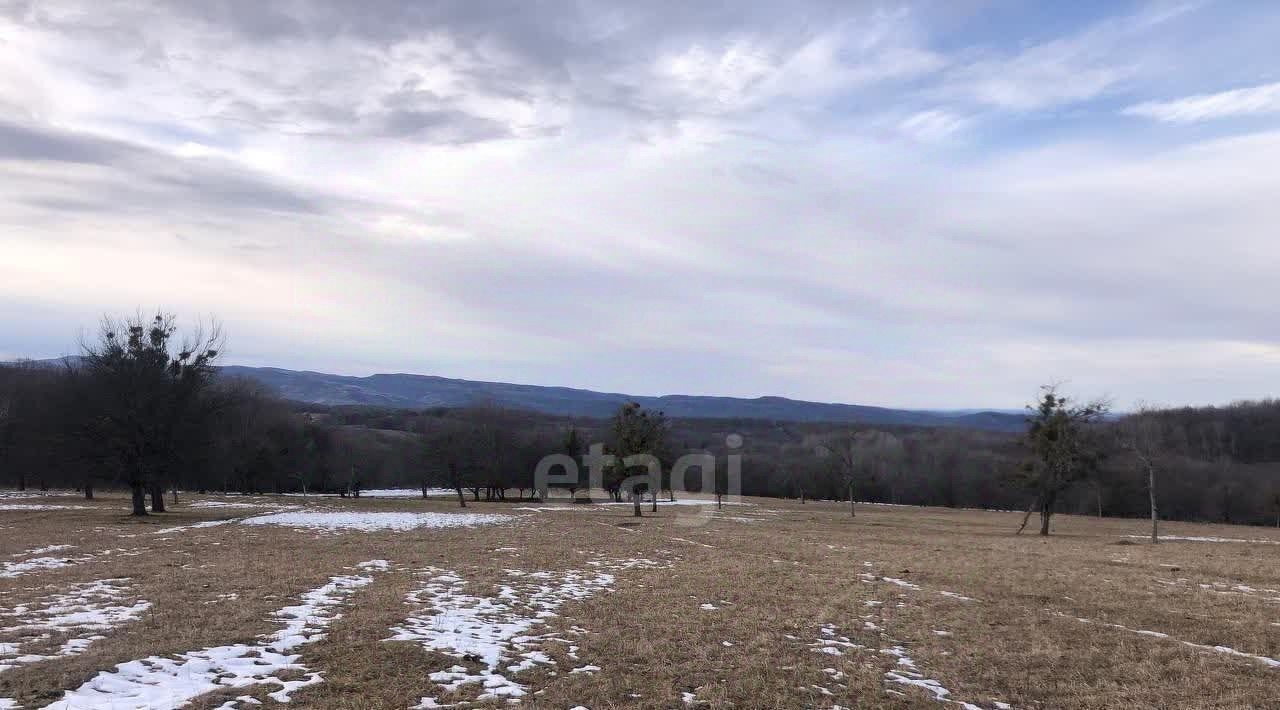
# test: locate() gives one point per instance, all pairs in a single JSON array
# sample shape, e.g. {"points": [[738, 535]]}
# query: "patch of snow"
{"points": [[709, 607], [377, 521], [1227, 650], [954, 595], [489, 632], [16, 569], [157, 682], [43, 506], [678, 502], [902, 583], [45, 550], [35, 494], [405, 492], [693, 542], [81, 614], [1195, 538], [193, 526], [239, 504], [831, 642]]}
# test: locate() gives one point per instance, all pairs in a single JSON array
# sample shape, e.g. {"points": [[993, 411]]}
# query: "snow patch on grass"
{"points": [[79, 616], [44, 550], [220, 504], [42, 506], [1196, 538], [193, 526], [490, 632], [158, 682], [17, 569], [368, 522], [1226, 650], [405, 492]]}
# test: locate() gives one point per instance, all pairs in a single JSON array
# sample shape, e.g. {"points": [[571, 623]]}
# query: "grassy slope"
{"points": [[775, 569]]}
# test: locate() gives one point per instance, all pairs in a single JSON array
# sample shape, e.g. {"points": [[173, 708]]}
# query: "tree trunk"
{"points": [[175, 496], [88, 491], [22, 481], [654, 496], [139, 499], [635, 499], [719, 501], [1046, 512], [853, 511], [157, 498], [1155, 516], [1027, 517], [424, 490], [462, 499]]}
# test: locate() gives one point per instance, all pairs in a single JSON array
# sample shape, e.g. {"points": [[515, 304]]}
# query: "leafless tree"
{"points": [[877, 452], [1142, 435]]}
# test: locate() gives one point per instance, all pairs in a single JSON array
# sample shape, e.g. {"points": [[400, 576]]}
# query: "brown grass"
{"points": [[788, 573]]}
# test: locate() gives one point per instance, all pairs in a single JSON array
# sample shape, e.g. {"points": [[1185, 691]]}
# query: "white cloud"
{"points": [[932, 125], [647, 201], [1252, 101]]}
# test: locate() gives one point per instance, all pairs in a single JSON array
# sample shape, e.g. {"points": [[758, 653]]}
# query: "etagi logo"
{"points": [[639, 473]]}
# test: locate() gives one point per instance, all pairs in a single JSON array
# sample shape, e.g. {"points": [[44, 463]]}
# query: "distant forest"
{"points": [[1217, 464]]}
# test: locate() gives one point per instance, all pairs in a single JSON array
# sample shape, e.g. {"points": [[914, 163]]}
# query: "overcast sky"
{"points": [[934, 204]]}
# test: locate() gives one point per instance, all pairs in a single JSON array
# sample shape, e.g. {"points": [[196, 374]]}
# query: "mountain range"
{"points": [[404, 391]]}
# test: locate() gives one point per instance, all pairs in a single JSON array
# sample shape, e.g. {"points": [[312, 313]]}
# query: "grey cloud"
{"points": [[229, 188], [590, 51], [21, 142], [440, 126], [140, 178]]}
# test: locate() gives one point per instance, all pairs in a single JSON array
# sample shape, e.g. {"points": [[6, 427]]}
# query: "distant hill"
{"points": [[422, 391]]}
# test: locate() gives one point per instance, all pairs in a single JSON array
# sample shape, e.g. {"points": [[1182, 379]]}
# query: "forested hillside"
{"points": [[1215, 464], [423, 391]]}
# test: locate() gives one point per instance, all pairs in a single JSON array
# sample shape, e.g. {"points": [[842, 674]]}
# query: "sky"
{"points": [[937, 204]]}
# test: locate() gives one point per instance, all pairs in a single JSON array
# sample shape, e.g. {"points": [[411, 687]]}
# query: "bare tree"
{"points": [[877, 452], [451, 456], [1141, 434], [842, 449]]}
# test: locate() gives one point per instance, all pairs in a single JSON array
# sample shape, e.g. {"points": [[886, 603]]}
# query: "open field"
{"points": [[766, 604]]}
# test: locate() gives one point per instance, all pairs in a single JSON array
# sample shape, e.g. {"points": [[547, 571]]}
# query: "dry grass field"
{"points": [[766, 604]]}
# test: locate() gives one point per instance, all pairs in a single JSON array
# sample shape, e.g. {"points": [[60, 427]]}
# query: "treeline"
{"points": [[139, 409]]}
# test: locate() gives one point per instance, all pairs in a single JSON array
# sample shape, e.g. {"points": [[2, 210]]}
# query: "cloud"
{"points": [[1252, 101], [825, 199], [20, 142], [932, 125], [116, 177]]}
